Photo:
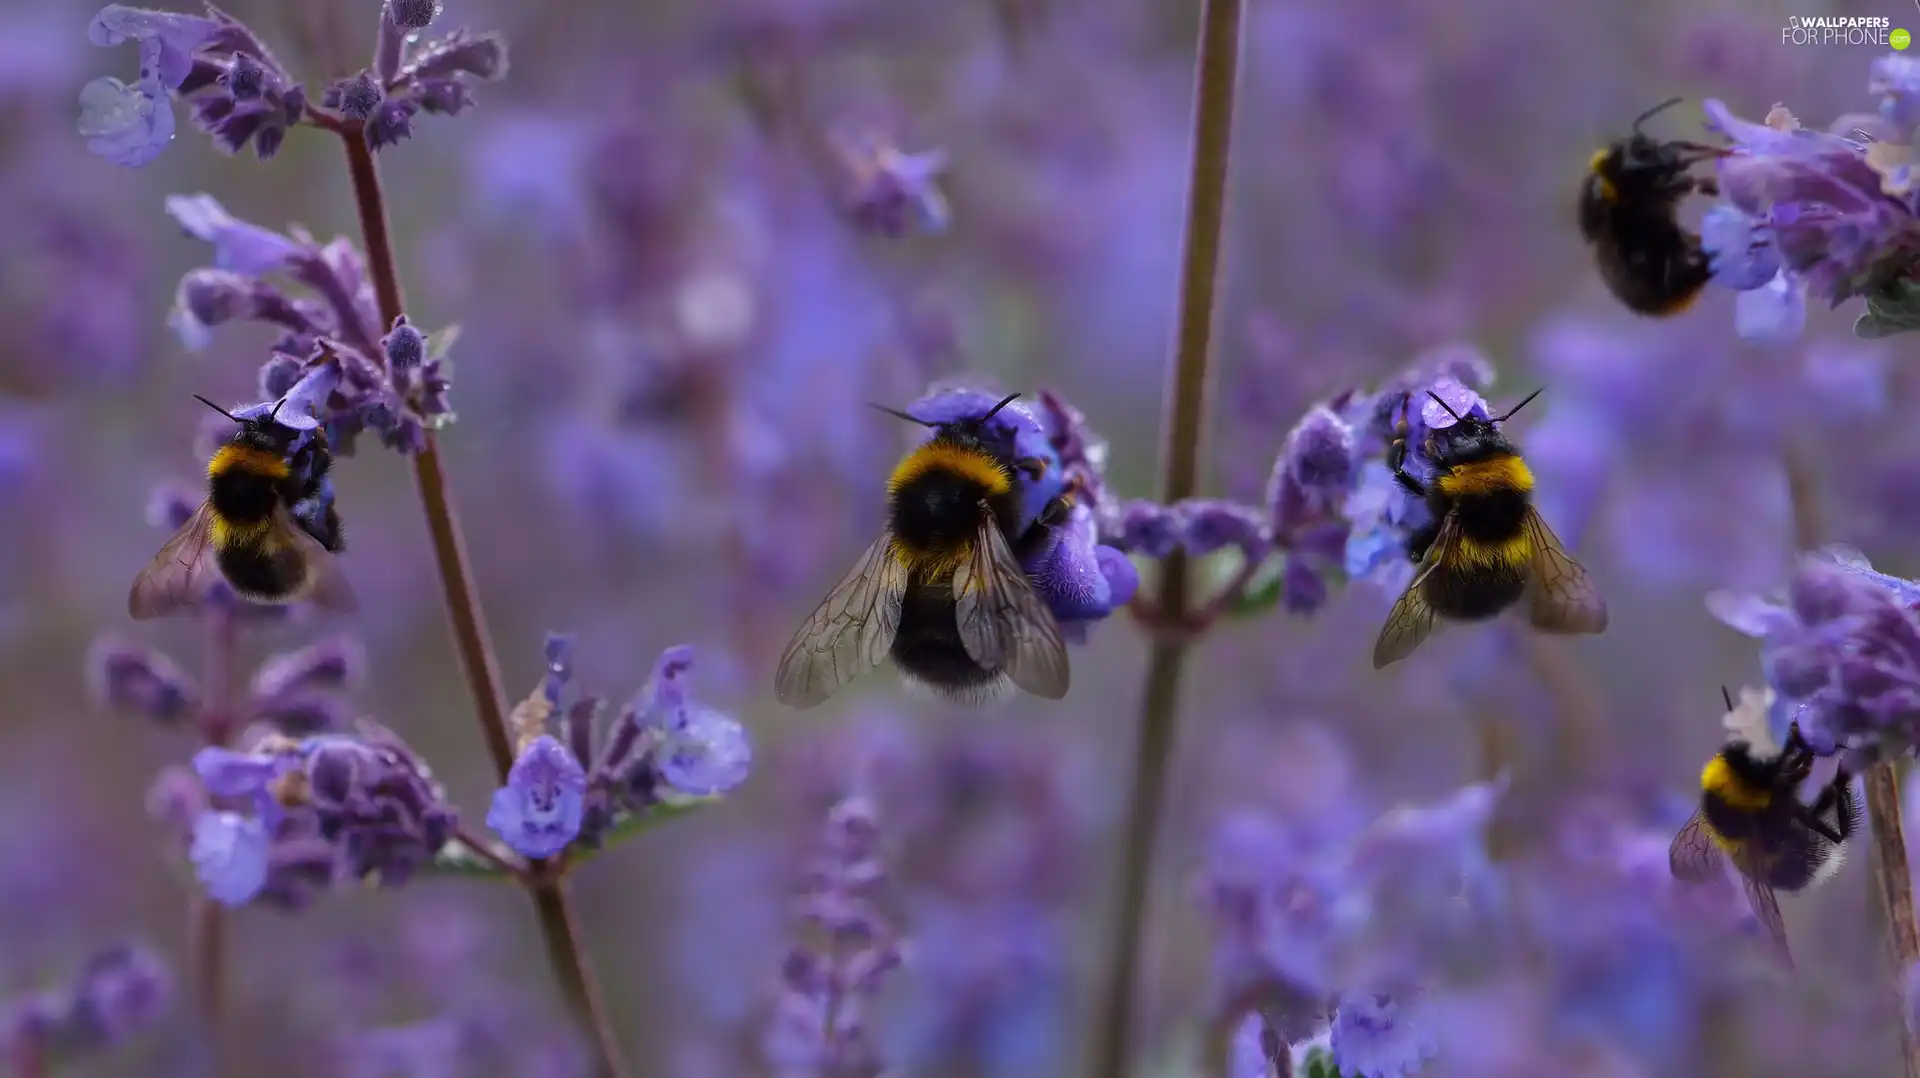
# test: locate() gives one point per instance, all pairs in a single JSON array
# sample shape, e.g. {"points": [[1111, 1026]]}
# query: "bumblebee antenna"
{"points": [[1655, 111], [1457, 417], [217, 408], [898, 414], [277, 405], [1522, 404], [1727, 696], [995, 410]]}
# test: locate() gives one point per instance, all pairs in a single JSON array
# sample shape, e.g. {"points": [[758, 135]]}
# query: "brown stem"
{"points": [[206, 925], [484, 850], [477, 660], [1215, 77], [1895, 880]]}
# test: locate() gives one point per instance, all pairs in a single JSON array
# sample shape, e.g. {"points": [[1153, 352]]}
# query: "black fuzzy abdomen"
{"points": [[269, 571], [1471, 592], [928, 647]]}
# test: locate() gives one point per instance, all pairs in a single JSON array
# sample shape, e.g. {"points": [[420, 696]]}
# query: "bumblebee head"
{"points": [[1641, 156], [973, 430], [260, 431], [1471, 437]]}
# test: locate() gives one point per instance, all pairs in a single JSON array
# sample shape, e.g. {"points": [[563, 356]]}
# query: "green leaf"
{"points": [[1892, 309], [1319, 1065], [634, 826], [1263, 591]]}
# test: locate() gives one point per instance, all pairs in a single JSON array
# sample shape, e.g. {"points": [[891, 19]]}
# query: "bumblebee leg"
{"points": [[1034, 468], [1056, 511], [1420, 541]]}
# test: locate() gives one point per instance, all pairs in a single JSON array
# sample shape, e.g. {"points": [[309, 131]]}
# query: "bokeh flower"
{"points": [[117, 994]]}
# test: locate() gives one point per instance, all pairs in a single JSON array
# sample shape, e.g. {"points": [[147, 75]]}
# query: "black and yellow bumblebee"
{"points": [[942, 592], [1485, 546], [269, 522], [1630, 217], [1751, 814]]}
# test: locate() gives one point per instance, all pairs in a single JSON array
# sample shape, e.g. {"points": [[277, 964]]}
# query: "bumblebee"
{"points": [[268, 520], [1751, 813], [1485, 547], [1629, 215], [941, 592]]}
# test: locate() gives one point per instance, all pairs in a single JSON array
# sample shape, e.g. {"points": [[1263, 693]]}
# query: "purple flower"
{"points": [[1376, 1036], [1895, 80], [356, 97], [1208, 525], [238, 247], [697, 751], [231, 854], [168, 41], [115, 995], [128, 125], [892, 192], [538, 812], [1147, 528], [845, 953], [1842, 653], [141, 681], [413, 14], [1834, 213], [1314, 472]]}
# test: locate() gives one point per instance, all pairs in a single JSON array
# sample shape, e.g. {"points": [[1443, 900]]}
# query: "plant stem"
{"points": [[206, 925], [1895, 879], [1891, 872], [557, 924], [1217, 71]]}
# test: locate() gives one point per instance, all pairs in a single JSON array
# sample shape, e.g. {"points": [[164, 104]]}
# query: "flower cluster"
{"points": [[283, 819], [1840, 651], [888, 191], [242, 96], [846, 951], [1080, 576], [297, 692], [664, 748], [117, 994], [332, 358], [1826, 215]]}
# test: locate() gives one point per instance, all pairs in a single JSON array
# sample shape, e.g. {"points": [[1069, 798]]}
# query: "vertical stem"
{"points": [[206, 926], [1895, 880], [558, 926], [1217, 71], [1891, 872]]}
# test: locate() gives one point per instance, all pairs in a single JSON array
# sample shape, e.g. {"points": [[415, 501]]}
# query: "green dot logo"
{"points": [[1899, 39]]}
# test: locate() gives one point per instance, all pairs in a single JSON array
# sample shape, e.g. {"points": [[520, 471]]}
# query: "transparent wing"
{"points": [[324, 584], [178, 577], [848, 634], [1560, 596], [1412, 619], [1766, 906], [1694, 857], [1003, 624]]}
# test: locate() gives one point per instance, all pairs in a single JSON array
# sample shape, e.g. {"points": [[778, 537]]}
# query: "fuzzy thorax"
{"points": [[1720, 780], [947, 458], [233, 457], [1499, 474]]}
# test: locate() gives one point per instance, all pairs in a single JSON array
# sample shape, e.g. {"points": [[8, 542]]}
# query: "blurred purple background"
{"points": [[669, 320]]}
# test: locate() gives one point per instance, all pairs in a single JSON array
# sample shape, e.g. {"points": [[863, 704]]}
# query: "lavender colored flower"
{"points": [[1258, 1051], [1835, 214], [117, 994], [336, 807], [1208, 525], [1315, 471], [141, 681], [1376, 1035], [238, 91], [355, 97], [413, 14], [539, 811], [846, 951], [1842, 652], [892, 192]]}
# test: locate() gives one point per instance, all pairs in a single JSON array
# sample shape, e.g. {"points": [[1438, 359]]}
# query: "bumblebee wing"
{"points": [[849, 633], [178, 576], [1003, 623], [1694, 857], [1412, 618], [1560, 596], [325, 584], [1766, 905]]}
